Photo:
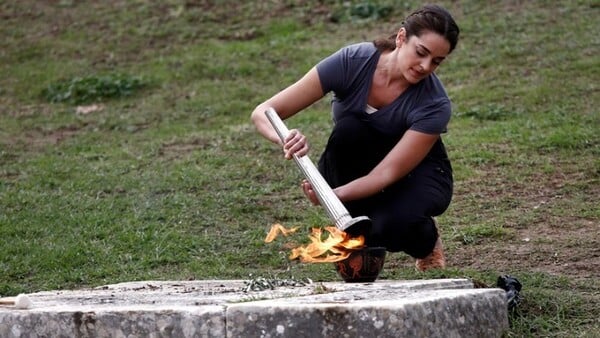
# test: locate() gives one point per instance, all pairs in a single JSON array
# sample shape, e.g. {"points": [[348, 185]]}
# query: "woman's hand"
{"points": [[295, 144], [309, 192], [286, 103]]}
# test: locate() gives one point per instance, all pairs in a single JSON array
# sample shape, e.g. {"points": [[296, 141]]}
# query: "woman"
{"points": [[384, 158]]}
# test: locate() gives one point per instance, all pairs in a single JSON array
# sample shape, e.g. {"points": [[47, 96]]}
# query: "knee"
{"points": [[423, 244], [416, 236]]}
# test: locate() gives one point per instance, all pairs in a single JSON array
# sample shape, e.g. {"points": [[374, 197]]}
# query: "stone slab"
{"points": [[438, 313], [225, 308]]}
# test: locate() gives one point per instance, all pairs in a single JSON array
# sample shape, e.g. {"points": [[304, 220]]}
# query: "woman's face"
{"points": [[419, 56]]}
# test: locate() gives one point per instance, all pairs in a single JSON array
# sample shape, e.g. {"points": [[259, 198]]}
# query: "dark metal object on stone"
{"points": [[512, 286], [362, 266]]}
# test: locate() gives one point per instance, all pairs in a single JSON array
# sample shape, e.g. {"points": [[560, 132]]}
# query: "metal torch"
{"points": [[336, 211]]}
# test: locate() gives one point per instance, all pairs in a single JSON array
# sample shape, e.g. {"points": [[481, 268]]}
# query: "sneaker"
{"points": [[436, 259]]}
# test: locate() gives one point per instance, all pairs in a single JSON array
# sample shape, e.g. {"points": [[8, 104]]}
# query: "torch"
{"points": [[336, 211]]}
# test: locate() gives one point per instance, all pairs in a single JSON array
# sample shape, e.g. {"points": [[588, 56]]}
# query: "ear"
{"points": [[400, 37]]}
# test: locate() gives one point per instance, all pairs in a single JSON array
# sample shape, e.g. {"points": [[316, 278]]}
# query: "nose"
{"points": [[426, 65]]}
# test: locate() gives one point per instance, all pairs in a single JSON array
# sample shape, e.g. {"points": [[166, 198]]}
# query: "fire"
{"points": [[276, 229], [336, 246]]}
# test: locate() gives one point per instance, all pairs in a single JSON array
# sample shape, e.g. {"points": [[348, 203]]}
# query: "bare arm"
{"points": [[404, 157], [288, 102]]}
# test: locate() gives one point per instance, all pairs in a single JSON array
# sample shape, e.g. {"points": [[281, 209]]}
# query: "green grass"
{"points": [[170, 181]]}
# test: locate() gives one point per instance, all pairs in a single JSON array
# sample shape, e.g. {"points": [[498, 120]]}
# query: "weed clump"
{"points": [[82, 90]]}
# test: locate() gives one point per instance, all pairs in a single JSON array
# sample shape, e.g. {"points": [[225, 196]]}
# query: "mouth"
{"points": [[416, 74]]}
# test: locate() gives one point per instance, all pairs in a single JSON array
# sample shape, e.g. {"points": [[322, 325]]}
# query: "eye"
{"points": [[437, 62], [421, 53]]}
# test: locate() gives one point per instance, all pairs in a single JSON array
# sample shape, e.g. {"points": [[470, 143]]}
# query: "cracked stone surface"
{"points": [[224, 308]]}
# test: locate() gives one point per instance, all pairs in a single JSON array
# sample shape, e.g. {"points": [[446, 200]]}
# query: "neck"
{"points": [[390, 74]]}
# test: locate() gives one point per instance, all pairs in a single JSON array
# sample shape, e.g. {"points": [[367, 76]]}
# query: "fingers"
{"points": [[309, 192], [295, 143]]}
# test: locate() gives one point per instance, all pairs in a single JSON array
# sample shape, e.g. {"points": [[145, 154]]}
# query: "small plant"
{"points": [[362, 11], [321, 289], [270, 283], [81, 90], [369, 10]]}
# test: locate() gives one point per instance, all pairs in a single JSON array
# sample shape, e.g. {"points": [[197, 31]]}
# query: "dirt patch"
{"points": [[554, 236], [541, 249], [38, 139], [182, 148]]}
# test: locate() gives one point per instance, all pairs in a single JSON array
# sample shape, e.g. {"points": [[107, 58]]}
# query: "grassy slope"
{"points": [[173, 183]]}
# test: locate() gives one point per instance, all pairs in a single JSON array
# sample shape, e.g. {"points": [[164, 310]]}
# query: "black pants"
{"points": [[401, 213]]}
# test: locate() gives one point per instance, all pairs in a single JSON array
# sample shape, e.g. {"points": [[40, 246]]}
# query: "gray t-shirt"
{"points": [[348, 73]]}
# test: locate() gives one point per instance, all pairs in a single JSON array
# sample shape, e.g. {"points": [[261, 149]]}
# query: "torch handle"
{"points": [[336, 211]]}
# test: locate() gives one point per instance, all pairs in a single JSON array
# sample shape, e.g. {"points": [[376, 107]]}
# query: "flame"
{"points": [[336, 246], [276, 229]]}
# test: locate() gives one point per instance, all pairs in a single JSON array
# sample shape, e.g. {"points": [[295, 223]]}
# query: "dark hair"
{"points": [[432, 18]]}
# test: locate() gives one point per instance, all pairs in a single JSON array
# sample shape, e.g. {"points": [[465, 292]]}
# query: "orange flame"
{"points": [[337, 246], [276, 229]]}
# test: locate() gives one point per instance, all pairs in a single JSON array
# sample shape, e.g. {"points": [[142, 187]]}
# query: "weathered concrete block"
{"points": [[423, 308], [439, 313], [204, 321]]}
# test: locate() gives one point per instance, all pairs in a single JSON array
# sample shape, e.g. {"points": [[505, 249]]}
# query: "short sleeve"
{"points": [[332, 71], [345, 71], [432, 118]]}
